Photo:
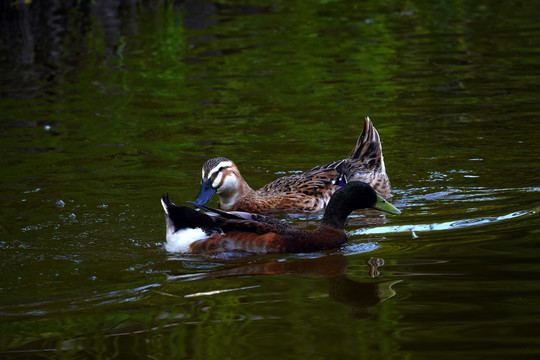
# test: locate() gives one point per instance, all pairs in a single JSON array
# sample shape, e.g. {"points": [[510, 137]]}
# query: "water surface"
{"points": [[106, 107]]}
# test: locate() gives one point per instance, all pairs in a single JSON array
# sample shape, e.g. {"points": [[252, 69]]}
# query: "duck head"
{"points": [[222, 176], [354, 195]]}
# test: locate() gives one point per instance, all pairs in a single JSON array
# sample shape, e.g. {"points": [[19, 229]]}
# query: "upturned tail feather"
{"points": [[184, 217], [368, 145]]}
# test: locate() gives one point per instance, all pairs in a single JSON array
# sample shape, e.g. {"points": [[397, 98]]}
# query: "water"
{"points": [[105, 108]]}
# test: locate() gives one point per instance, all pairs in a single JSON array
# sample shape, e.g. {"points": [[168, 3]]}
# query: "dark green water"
{"points": [[106, 107]]}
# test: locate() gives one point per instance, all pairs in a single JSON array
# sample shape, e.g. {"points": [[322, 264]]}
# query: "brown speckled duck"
{"points": [[309, 191], [189, 231]]}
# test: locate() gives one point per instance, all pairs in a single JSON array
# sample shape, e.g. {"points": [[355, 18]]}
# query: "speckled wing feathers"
{"points": [[309, 191]]}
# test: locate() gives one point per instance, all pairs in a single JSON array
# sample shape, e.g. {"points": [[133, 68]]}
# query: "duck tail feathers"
{"points": [[368, 147], [183, 217]]}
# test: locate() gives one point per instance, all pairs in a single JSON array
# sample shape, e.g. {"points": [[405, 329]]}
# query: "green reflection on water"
{"points": [[108, 113]]}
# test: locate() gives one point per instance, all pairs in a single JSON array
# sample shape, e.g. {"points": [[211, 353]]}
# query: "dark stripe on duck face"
{"points": [[214, 166], [225, 179], [214, 174], [218, 173]]}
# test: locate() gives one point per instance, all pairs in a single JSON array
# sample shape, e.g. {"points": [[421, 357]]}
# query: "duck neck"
{"points": [[336, 216], [229, 195]]}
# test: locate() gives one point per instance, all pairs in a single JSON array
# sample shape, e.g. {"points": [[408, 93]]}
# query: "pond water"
{"points": [[106, 107]]}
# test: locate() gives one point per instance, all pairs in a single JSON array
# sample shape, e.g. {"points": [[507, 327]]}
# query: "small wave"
{"points": [[77, 301], [216, 292], [361, 248], [442, 226]]}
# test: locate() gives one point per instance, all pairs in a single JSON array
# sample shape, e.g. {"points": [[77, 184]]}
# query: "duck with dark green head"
{"points": [[190, 231]]}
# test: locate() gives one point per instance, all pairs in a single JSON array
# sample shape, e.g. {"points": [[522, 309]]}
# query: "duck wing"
{"points": [[308, 191], [311, 182], [243, 221], [335, 172]]}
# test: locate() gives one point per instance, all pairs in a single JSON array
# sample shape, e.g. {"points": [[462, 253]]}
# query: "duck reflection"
{"points": [[358, 296]]}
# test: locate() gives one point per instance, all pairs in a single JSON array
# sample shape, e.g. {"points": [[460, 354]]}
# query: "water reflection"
{"points": [[360, 297], [44, 40]]}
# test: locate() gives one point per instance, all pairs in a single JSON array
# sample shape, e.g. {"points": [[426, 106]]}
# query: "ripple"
{"points": [[457, 224], [46, 305], [362, 248], [216, 292]]}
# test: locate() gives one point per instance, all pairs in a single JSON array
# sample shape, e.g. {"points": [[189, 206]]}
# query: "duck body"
{"points": [[190, 231], [309, 191]]}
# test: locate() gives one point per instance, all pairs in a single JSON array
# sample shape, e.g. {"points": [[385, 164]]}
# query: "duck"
{"points": [[219, 231], [306, 192]]}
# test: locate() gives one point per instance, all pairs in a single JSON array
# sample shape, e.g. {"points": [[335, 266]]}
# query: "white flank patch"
{"points": [[180, 240]]}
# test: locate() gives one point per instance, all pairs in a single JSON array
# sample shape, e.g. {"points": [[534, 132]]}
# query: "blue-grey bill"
{"points": [[206, 193]]}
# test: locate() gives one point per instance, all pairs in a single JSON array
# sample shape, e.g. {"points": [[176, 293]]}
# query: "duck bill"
{"points": [[385, 206], [206, 192]]}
